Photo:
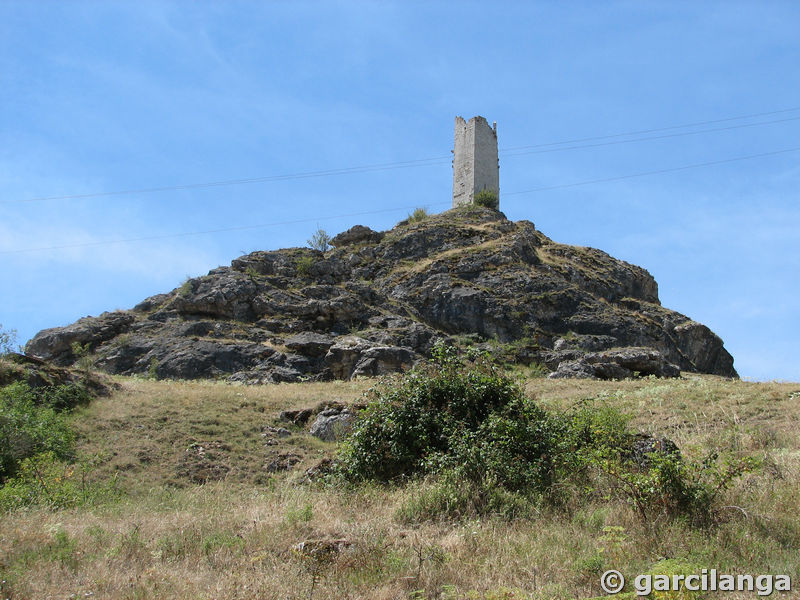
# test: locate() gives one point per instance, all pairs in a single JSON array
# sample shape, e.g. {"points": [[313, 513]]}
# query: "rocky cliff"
{"points": [[378, 301]]}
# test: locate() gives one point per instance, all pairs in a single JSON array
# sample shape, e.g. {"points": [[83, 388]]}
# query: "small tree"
{"points": [[320, 240], [8, 340]]}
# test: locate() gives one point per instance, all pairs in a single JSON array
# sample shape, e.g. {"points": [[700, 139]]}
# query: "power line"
{"points": [[641, 131], [395, 209], [436, 160], [209, 184], [656, 172], [208, 231], [654, 137]]}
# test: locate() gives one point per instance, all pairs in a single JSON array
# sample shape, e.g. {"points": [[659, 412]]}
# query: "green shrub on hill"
{"points": [[62, 397], [480, 446], [29, 426], [37, 449], [419, 215], [46, 479], [670, 485], [410, 425], [487, 199]]}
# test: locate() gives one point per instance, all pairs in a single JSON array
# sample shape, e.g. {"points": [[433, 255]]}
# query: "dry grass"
{"points": [[696, 410], [236, 537], [422, 265], [171, 433]]}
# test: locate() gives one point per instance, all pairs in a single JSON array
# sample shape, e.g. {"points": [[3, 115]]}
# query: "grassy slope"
{"points": [[168, 537]]}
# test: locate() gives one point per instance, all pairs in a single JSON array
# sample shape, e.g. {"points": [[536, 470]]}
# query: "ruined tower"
{"points": [[475, 164]]}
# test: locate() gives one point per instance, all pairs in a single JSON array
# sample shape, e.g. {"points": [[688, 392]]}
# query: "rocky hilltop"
{"points": [[378, 301]]}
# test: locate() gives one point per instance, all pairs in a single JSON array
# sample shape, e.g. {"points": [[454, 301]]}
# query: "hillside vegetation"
{"points": [[193, 489], [379, 301]]}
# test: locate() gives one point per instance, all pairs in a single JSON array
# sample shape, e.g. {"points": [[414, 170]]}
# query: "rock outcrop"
{"points": [[379, 301], [333, 424], [38, 373], [616, 364], [356, 235]]}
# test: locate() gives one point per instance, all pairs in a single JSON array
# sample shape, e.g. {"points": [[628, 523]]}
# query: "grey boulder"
{"points": [[332, 424]]}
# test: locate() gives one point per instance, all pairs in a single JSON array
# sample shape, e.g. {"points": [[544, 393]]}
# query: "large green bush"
{"points": [[31, 423], [475, 444], [38, 464], [410, 425]]}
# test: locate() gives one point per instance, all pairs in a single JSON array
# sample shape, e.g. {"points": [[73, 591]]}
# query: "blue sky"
{"points": [[104, 97]]}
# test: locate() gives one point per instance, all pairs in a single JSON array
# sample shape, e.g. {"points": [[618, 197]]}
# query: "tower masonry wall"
{"points": [[475, 164]]}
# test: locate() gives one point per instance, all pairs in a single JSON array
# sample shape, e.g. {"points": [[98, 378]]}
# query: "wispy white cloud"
{"points": [[156, 259]]}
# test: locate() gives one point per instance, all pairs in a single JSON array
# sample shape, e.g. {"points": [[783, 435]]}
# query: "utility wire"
{"points": [[654, 137], [395, 209], [656, 172], [641, 131], [207, 231], [436, 160], [209, 184]]}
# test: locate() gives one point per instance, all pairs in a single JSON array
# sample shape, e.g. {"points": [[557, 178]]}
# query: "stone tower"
{"points": [[475, 164]]}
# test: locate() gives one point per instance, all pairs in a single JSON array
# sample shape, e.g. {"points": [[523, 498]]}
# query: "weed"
{"points": [[487, 199], [62, 397], [613, 540], [83, 358], [419, 215], [152, 370], [491, 450], [303, 265], [427, 553], [671, 486], [219, 540], [315, 560], [408, 424], [45, 480], [122, 341], [251, 273], [301, 515], [187, 287], [538, 371], [62, 548]]}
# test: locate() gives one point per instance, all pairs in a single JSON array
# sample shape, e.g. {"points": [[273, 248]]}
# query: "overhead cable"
{"points": [[395, 209], [436, 160]]}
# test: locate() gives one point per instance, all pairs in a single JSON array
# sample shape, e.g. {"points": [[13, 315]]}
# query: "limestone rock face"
{"points": [[38, 373], [382, 360], [342, 357], [55, 344], [310, 343], [704, 347], [379, 301], [357, 234], [616, 364], [333, 424]]}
